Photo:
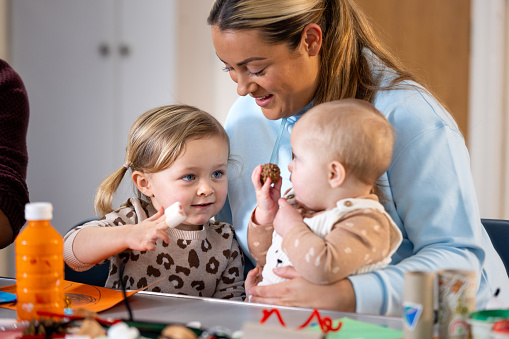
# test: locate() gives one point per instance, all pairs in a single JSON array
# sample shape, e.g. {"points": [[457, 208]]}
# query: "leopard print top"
{"points": [[206, 263]]}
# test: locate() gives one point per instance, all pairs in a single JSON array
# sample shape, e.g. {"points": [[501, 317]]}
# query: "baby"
{"points": [[330, 224]]}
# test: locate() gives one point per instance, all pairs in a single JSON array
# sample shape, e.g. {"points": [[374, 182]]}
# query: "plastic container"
{"points": [[39, 264], [500, 329], [481, 322]]}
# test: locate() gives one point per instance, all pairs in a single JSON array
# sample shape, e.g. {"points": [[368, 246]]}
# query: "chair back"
{"points": [[498, 230], [96, 276]]}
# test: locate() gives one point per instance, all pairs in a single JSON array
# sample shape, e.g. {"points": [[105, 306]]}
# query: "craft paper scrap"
{"points": [[7, 297], [354, 329], [91, 297]]}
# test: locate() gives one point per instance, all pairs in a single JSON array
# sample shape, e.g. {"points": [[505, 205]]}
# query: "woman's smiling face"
{"points": [[282, 81]]}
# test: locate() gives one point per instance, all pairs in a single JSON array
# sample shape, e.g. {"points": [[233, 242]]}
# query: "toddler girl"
{"points": [[175, 153]]}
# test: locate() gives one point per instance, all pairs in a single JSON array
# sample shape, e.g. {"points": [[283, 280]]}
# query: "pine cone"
{"points": [[270, 171]]}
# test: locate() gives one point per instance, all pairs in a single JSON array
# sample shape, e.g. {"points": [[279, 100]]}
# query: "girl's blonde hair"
{"points": [[155, 141], [344, 69]]}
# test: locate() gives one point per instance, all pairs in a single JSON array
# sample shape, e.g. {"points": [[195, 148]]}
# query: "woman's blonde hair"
{"points": [[155, 141], [344, 69]]}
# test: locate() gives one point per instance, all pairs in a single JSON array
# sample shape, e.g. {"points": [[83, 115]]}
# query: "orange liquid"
{"points": [[39, 270]]}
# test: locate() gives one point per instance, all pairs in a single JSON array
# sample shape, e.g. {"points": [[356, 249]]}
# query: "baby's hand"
{"points": [[266, 197], [143, 236], [286, 218]]}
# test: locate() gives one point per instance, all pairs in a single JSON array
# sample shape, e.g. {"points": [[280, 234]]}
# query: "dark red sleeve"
{"points": [[14, 114]]}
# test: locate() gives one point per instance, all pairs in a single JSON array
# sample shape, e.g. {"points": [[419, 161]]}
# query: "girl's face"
{"points": [[197, 179], [282, 81]]}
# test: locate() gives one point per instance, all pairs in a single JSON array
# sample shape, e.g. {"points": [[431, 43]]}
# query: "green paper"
{"points": [[353, 329]]}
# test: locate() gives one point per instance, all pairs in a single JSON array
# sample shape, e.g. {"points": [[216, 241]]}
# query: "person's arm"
{"points": [[92, 244], [231, 283], [360, 238], [6, 233], [299, 292], [259, 239], [433, 201], [14, 115]]}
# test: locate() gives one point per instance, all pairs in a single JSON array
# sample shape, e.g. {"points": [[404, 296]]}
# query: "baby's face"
{"points": [[308, 170]]}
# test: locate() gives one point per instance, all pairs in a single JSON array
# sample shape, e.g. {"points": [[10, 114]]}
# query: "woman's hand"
{"points": [[143, 236], [266, 197], [298, 292], [253, 278], [286, 218]]}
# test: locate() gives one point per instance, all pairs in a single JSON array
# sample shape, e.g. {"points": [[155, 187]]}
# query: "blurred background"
{"points": [[92, 67]]}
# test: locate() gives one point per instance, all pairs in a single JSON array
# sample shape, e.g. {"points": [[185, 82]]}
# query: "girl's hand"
{"points": [[143, 236], [298, 292], [286, 218], [266, 197]]}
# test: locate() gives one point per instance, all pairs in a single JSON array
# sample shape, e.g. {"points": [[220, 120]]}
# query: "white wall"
{"points": [[201, 81], [489, 106]]}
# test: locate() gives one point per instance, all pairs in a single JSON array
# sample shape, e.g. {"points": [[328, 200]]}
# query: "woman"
{"points": [[289, 55]]}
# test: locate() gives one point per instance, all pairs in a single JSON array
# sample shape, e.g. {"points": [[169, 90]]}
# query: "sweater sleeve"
{"points": [[69, 257], [259, 239], [14, 114], [360, 238], [432, 199], [123, 215], [231, 283]]}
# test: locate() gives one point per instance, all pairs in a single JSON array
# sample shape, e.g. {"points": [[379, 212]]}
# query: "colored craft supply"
{"points": [[481, 322], [39, 264], [456, 300], [500, 329], [417, 309]]}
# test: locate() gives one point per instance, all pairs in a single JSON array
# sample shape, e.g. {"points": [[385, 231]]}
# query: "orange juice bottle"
{"points": [[39, 264]]}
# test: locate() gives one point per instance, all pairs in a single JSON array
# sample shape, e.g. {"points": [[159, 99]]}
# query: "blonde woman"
{"points": [[287, 56], [175, 154]]}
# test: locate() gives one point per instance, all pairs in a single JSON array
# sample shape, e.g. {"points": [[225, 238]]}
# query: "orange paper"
{"points": [[91, 297]]}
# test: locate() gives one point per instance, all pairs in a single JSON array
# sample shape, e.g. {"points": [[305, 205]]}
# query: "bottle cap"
{"points": [[39, 211]]}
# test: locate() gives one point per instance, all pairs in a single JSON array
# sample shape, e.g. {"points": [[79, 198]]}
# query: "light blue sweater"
{"points": [[429, 187]]}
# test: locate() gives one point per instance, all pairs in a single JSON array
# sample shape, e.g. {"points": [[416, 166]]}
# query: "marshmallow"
{"points": [[175, 215], [122, 331]]}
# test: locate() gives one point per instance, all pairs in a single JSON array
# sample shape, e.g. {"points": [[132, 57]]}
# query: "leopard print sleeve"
{"points": [[231, 283], [130, 212]]}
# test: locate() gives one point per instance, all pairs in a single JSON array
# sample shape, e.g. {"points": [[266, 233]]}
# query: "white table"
{"points": [[171, 308]]}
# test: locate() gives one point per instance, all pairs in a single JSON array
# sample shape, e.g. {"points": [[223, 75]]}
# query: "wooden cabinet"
{"points": [[432, 38]]}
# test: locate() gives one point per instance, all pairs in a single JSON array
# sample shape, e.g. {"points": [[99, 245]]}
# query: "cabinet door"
{"points": [[147, 45], [85, 91], [432, 38]]}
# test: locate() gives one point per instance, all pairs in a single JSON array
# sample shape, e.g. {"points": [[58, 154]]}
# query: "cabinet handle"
{"points": [[104, 49], [124, 50]]}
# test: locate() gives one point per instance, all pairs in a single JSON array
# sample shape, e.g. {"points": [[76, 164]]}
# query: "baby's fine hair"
{"points": [[155, 141], [356, 134]]}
